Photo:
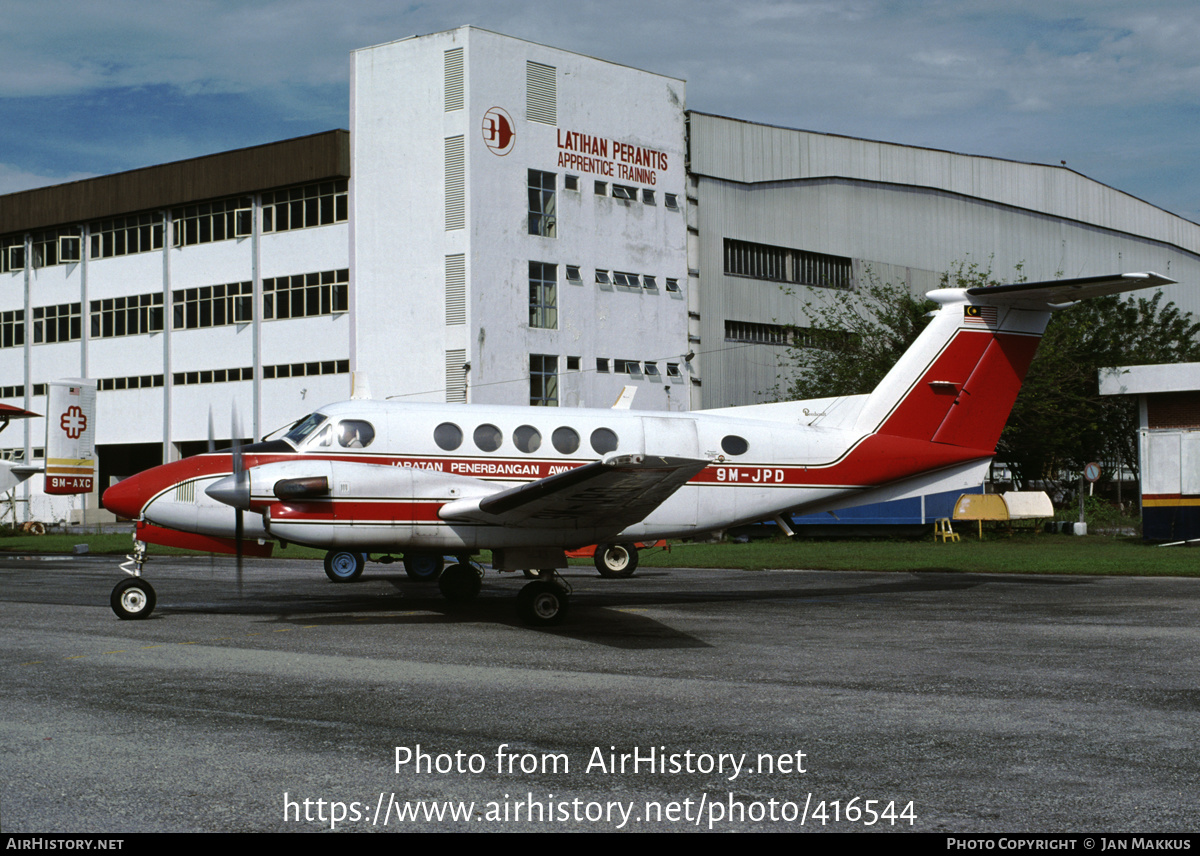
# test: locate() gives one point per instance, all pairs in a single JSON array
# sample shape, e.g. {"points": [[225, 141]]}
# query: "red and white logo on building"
{"points": [[73, 422], [499, 132]]}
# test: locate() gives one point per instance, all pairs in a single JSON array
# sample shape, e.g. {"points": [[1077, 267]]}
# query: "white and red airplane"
{"points": [[368, 477]]}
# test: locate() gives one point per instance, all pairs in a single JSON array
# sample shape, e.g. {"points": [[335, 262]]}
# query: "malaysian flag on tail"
{"points": [[980, 315]]}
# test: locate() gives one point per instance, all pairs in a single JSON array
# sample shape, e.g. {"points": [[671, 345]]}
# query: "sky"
{"points": [[1111, 87]]}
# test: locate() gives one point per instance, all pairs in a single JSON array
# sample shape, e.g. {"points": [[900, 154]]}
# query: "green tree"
{"points": [[857, 336], [1060, 421]]}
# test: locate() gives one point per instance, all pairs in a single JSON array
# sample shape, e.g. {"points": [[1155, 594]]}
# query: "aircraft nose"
{"points": [[127, 497]]}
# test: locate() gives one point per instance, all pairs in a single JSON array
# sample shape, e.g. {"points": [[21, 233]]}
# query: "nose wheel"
{"points": [[133, 597]]}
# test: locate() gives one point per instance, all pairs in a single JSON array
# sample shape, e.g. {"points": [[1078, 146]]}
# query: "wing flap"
{"points": [[613, 493]]}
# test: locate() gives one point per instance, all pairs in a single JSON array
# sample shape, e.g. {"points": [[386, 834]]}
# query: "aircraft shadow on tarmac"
{"points": [[609, 616]]}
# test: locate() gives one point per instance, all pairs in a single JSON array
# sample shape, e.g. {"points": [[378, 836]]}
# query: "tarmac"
{"points": [[679, 699]]}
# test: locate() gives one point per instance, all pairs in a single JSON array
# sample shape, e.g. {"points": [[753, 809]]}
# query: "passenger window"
{"points": [[734, 445], [448, 436], [604, 440], [527, 438], [488, 437], [355, 434], [565, 439]]}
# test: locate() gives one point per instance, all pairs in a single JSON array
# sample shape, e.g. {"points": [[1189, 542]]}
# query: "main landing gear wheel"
{"points": [[460, 583], [344, 566], [132, 598], [616, 561], [542, 604], [422, 566]]}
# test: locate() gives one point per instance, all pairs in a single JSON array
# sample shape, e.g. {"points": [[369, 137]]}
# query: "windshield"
{"points": [[306, 426]]}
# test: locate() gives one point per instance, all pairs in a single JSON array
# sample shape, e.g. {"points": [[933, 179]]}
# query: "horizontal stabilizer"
{"points": [[1058, 291], [614, 493]]}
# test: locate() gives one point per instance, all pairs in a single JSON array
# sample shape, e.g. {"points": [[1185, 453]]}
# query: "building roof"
{"points": [[296, 161]]}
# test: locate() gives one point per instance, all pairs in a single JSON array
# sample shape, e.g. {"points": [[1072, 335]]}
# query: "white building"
{"points": [[508, 223], [518, 227]]}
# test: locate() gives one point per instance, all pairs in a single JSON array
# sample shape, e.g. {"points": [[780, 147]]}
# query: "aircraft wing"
{"points": [[1058, 291], [616, 492]]}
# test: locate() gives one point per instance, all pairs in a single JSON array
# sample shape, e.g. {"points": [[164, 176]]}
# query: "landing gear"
{"points": [[616, 561], [423, 566], [543, 603], [344, 566], [460, 582], [133, 598]]}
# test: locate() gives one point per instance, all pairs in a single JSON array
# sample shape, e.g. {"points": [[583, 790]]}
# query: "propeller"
{"points": [[240, 479]]}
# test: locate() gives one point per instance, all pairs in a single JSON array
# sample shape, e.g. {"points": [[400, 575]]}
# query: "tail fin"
{"points": [[71, 436], [957, 383]]}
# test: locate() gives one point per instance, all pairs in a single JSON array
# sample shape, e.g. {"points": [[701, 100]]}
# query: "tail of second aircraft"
{"points": [[957, 384]]}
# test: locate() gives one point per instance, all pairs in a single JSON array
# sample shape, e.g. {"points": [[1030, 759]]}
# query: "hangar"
{"points": [[503, 222]]}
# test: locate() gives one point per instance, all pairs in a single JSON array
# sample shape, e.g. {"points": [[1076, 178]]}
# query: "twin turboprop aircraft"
{"points": [[368, 477]]}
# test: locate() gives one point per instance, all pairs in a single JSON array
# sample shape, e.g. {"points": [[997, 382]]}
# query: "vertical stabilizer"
{"points": [[71, 436]]}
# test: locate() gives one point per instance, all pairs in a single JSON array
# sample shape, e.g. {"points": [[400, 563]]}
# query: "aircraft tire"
{"points": [[132, 598], [616, 561], [542, 604], [422, 566], [460, 583], [344, 566]]}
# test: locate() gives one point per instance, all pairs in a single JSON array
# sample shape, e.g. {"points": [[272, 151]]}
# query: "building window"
{"points": [[781, 264], [779, 334], [542, 215], [648, 196], [301, 207], [543, 296], [543, 380], [61, 323], [323, 367], [629, 280], [602, 277], [673, 286], [12, 329], [212, 221], [671, 200], [672, 369], [571, 182], [648, 281], [572, 364], [127, 316], [601, 188], [306, 294], [49, 248], [620, 191], [212, 306], [214, 376], [602, 365], [652, 369], [573, 275], [136, 382], [122, 236], [629, 367], [12, 254]]}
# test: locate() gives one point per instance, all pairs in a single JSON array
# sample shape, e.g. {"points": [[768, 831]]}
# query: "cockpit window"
{"points": [[304, 428], [355, 434]]}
